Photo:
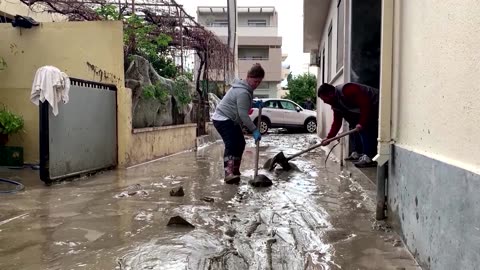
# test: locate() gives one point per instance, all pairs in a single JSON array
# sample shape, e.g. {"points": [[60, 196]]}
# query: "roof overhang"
{"points": [[315, 13], [220, 9]]}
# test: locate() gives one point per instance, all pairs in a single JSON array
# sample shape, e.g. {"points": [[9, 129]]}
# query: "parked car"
{"points": [[283, 113]]}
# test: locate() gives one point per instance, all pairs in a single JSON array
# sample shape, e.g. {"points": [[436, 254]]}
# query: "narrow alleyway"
{"points": [[312, 218]]}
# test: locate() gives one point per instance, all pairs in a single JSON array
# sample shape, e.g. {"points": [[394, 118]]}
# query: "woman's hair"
{"points": [[256, 71]]}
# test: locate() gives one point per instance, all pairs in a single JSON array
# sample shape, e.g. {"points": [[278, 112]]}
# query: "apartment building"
{"points": [[423, 56], [258, 41]]}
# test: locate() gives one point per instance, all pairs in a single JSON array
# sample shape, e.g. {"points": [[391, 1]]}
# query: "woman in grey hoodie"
{"points": [[230, 114]]}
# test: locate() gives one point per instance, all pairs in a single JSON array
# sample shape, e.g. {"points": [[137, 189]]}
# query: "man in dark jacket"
{"points": [[358, 105], [308, 105]]}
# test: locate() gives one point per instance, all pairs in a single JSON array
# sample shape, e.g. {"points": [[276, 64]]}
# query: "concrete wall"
{"points": [[86, 50], [10, 8], [436, 208], [142, 145], [324, 111], [434, 180]]}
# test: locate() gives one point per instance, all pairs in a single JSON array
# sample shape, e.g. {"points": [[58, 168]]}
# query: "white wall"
{"points": [[324, 111], [436, 80]]}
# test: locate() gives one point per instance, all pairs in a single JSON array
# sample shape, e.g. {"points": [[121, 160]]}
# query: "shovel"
{"points": [[281, 160], [259, 180]]}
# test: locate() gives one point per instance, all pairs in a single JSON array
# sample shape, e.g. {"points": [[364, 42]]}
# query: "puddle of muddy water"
{"points": [[308, 219]]}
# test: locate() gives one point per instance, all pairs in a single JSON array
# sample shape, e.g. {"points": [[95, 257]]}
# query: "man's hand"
{"points": [[358, 127], [325, 142], [259, 103], [256, 135]]}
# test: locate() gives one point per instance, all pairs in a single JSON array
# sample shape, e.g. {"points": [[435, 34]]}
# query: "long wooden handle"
{"points": [[320, 144], [257, 143]]}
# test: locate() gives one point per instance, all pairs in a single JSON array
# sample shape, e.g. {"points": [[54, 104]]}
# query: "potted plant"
{"points": [[10, 123]]}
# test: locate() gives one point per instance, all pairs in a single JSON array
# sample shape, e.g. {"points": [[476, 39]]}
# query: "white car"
{"points": [[283, 113]]}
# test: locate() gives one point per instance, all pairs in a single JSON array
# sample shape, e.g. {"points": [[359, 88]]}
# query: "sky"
{"points": [[290, 26]]}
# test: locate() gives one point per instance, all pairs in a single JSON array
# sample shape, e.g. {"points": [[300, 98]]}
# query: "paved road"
{"points": [[311, 218]]}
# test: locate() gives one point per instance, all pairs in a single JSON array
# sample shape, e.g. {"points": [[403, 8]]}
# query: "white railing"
{"points": [[253, 58]]}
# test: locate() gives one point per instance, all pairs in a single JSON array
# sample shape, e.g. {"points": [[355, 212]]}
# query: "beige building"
{"points": [[258, 41], [423, 56]]}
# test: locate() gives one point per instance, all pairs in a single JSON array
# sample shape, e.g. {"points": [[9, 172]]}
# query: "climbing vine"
{"points": [[181, 90], [156, 92], [139, 40]]}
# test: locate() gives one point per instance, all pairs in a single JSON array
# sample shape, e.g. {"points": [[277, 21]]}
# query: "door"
{"points": [[290, 114], [273, 111]]}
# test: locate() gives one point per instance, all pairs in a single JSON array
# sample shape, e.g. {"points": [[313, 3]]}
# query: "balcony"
{"points": [[272, 67], [245, 30]]}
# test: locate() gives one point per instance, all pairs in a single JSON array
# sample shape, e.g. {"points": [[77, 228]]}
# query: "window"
{"points": [[257, 23], [272, 104], [288, 105], [263, 85], [329, 57], [219, 23], [340, 33], [253, 53]]}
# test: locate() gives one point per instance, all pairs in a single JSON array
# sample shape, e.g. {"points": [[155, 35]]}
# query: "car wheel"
{"points": [[264, 126], [311, 126]]}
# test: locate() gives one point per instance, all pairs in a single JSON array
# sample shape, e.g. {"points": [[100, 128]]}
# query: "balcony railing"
{"points": [[240, 25], [253, 58]]}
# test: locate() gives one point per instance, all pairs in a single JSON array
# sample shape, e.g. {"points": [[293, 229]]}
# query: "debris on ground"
{"points": [[130, 193], [382, 226], [260, 181], [178, 221], [177, 192], [230, 232], [208, 199]]}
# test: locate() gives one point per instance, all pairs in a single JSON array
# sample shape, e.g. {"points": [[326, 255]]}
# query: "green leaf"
{"points": [[181, 91], [301, 87], [10, 123]]}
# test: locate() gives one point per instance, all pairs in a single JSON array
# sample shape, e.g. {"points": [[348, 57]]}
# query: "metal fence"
{"points": [[82, 138]]}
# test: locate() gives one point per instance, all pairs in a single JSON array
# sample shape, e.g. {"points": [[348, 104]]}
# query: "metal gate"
{"points": [[82, 138]]}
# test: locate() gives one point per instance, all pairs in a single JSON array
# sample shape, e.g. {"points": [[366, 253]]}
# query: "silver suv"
{"points": [[283, 113]]}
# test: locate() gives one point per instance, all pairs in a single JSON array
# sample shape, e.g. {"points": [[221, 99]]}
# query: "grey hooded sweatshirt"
{"points": [[236, 104]]}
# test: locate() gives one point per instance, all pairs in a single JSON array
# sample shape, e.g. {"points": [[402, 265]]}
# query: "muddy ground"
{"points": [[313, 218]]}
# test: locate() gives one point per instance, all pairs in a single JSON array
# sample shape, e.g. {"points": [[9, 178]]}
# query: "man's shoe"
{"points": [[232, 179], [353, 157], [365, 162]]}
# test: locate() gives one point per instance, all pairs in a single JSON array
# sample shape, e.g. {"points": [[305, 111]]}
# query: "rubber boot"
{"points": [[236, 167], [230, 176]]}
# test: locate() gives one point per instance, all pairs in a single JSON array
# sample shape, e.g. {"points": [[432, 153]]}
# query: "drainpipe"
{"points": [[385, 103], [347, 67]]}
